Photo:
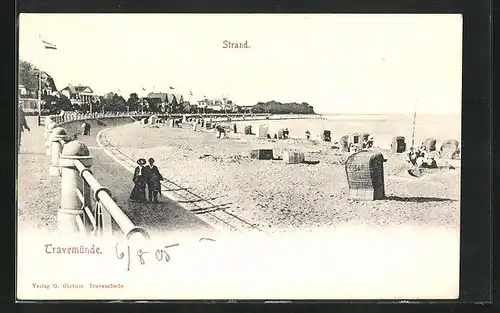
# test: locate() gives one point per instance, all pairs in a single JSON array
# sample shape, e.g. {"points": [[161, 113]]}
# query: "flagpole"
{"points": [[40, 85], [39, 97], [413, 132]]}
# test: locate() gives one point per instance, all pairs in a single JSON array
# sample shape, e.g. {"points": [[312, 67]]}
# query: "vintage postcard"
{"points": [[239, 156]]}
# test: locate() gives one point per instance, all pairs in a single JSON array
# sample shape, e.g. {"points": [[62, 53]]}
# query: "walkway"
{"points": [[39, 195], [164, 216]]}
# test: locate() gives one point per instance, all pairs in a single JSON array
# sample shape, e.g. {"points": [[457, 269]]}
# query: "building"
{"points": [[48, 85], [166, 101], [78, 94], [164, 98], [23, 92]]}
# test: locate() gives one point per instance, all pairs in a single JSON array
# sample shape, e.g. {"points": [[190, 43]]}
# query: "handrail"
{"points": [[103, 195], [77, 160], [76, 116]]}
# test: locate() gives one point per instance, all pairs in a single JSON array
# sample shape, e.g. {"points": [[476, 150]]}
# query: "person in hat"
{"points": [[138, 194], [308, 135], [153, 178], [86, 128]]}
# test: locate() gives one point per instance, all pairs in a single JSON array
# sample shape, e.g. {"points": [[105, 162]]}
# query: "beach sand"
{"points": [[275, 196]]}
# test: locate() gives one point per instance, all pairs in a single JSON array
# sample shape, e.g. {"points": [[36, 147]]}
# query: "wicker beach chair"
{"points": [[344, 143], [326, 135], [430, 144], [281, 136], [449, 149], [398, 144], [365, 176]]}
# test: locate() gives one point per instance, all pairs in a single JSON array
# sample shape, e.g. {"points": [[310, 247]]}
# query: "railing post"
{"points": [[48, 120], [59, 136], [48, 140], [71, 205]]}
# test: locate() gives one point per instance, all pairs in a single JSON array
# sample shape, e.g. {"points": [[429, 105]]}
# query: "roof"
{"points": [[164, 95], [76, 89], [80, 88]]}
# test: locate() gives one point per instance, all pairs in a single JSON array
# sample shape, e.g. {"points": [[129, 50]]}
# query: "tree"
{"points": [[28, 76], [133, 102], [274, 107], [114, 103]]}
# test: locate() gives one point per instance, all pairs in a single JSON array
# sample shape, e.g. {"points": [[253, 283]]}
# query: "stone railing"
{"points": [[219, 117], [86, 206]]}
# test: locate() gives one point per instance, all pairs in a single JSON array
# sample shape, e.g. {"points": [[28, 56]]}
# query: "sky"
{"points": [[363, 64]]}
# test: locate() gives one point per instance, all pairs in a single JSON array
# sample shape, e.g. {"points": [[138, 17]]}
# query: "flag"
{"points": [[49, 45], [191, 92], [144, 89], [171, 87]]}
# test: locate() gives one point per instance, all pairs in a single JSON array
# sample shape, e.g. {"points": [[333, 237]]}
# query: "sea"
{"points": [[383, 127]]}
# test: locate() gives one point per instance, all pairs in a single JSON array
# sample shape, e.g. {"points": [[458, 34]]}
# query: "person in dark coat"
{"points": [[153, 178], [86, 128], [21, 126], [138, 194]]}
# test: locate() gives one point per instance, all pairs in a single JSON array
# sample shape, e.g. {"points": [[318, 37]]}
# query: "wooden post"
{"points": [[413, 132], [39, 97], [71, 206]]}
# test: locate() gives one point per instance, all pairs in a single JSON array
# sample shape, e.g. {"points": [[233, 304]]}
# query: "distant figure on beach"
{"points": [[275, 136], [286, 133], [421, 155], [412, 156], [221, 132], [308, 135], [86, 128], [21, 126], [153, 178], [139, 192]]}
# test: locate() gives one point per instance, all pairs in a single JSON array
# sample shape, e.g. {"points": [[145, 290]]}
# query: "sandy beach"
{"points": [[285, 197]]}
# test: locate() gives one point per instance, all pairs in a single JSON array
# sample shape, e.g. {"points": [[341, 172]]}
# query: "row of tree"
{"points": [[274, 107], [113, 102]]}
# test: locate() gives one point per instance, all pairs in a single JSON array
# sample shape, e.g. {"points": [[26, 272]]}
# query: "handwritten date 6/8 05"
{"points": [[161, 255]]}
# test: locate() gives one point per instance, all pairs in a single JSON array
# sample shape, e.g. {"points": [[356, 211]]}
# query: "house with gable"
{"points": [[78, 94], [165, 100]]}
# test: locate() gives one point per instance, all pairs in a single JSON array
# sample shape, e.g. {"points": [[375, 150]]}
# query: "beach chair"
{"points": [[344, 143], [281, 135], [326, 135], [430, 144], [365, 176], [449, 149], [398, 144]]}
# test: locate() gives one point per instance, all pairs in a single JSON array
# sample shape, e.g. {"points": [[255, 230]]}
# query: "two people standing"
{"points": [[146, 176], [86, 128]]}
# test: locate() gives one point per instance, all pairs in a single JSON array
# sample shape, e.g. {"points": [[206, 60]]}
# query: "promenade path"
{"points": [[39, 194]]}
